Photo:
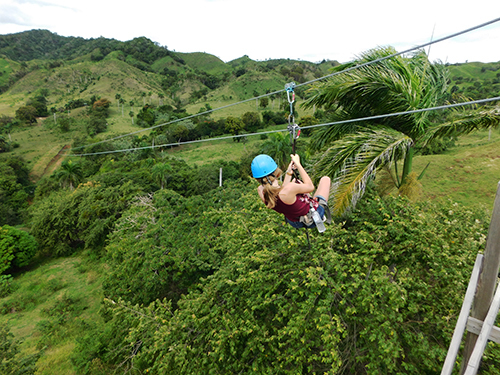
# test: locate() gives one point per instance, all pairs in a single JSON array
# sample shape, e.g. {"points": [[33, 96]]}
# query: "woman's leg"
{"points": [[323, 187]]}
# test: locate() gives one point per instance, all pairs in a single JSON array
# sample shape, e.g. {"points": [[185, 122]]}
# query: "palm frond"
{"points": [[325, 136], [396, 84], [352, 161], [463, 123]]}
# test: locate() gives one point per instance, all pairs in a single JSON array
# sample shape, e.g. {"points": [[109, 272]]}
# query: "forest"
{"points": [[122, 250]]}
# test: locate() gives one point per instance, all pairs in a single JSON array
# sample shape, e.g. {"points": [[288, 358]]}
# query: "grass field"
{"points": [[50, 306], [467, 174]]}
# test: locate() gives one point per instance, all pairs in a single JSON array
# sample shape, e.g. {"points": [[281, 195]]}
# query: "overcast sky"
{"points": [[310, 30]]}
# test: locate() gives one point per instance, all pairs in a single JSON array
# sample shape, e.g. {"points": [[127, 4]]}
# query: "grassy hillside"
{"points": [[50, 307], [467, 174], [81, 80], [7, 68], [204, 61], [476, 80]]}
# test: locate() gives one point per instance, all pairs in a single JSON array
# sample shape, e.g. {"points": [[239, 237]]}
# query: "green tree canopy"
{"points": [[64, 220], [234, 126], [252, 121], [27, 113], [375, 295], [17, 248], [279, 148], [14, 182], [40, 104], [161, 172]]}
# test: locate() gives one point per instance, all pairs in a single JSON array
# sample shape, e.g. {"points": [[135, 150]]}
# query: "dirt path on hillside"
{"points": [[56, 160], [51, 166]]}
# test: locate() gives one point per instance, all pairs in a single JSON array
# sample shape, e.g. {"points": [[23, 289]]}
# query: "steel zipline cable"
{"points": [[454, 105], [282, 90]]}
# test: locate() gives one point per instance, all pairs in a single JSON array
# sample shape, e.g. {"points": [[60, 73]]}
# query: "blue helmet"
{"points": [[263, 165]]}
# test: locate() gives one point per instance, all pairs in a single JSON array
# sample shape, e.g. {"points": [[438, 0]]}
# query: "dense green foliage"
{"points": [[65, 220], [17, 248], [374, 294], [15, 188], [42, 44]]}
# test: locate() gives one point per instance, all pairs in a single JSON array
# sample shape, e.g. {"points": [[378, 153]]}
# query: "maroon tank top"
{"points": [[295, 210]]}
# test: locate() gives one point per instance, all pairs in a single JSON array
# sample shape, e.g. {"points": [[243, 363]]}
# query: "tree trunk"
{"points": [[407, 166]]}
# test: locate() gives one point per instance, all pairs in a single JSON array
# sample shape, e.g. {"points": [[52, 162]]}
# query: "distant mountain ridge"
{"points": [[31, 57], [45, 45], [34, 59]]}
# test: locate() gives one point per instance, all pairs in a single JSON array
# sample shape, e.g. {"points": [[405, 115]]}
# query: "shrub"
{"points": [[17, 248], [64, 221]]}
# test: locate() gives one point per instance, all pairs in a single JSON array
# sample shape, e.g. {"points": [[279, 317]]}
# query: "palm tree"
{"points": [[122, 102], [70, 174], [118, 97], [352, 153], [161, 172], [279, 148]]}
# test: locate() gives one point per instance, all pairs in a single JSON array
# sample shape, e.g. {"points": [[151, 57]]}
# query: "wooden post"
{"points": [[487, 279]]}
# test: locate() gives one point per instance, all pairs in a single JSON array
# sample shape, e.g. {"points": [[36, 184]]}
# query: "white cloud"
{"points": [[312, 30]]}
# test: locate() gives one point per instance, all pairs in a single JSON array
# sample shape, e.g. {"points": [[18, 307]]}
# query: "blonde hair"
{"points": [[271, 192]]}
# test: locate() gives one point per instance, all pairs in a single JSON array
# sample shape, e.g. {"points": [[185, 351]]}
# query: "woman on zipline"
{"points": [[291, 199]]}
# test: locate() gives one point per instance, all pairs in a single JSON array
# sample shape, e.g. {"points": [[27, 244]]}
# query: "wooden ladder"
{"points": [[479, 297], [485, 330]]}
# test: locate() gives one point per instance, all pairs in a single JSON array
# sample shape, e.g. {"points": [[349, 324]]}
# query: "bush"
{"points": [[17, 248], [5, 285], [65, 221], [14, 187]]}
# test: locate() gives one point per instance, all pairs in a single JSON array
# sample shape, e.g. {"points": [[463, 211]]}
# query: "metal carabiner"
{"points": [[289, 89], [293, 129]]}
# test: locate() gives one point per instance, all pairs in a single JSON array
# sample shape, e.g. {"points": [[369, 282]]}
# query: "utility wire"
{"points": [[403, 52], [496, 98], [302, 84], [480, 101]]}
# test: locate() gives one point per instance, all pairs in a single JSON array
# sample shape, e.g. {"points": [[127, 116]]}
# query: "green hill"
{"points": [[476, 80], [139, 72]]}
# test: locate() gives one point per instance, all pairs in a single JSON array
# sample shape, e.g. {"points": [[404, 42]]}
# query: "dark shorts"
{"points": [[321, 212]]}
